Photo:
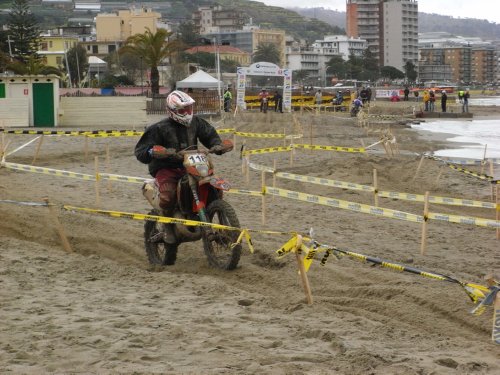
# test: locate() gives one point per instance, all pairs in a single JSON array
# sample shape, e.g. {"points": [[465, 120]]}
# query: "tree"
{"points": [[23, 30], [228, 65], [410, 72], [267, 52], [32, 66], [188, 34], [204, 59], [336, 67], [154, 49], [77, 63], [391, 72]]}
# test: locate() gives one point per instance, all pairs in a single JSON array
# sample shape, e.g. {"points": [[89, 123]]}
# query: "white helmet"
{"points": [[180, 107]]}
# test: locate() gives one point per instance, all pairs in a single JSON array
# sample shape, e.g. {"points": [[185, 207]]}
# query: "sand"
{"points": [[104, 310]]}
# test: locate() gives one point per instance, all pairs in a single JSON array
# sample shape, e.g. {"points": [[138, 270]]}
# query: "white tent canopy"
{"points": [[199, 80]]}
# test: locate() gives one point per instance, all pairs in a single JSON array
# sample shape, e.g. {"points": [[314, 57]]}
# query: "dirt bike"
{"points": [[265, 104], [199, 198], [355, 110]]}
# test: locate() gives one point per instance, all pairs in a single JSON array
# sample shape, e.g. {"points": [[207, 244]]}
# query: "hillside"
{"points": [[306, 23], [426, 22]]}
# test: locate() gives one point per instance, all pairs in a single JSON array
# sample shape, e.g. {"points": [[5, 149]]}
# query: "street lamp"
{"points": [[326, 73]]}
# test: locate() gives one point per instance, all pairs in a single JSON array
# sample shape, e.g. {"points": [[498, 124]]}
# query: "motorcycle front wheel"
{"points": [[217, 242], [158, 252]]}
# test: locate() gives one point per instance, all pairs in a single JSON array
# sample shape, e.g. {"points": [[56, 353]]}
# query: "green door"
{"points": [[43, 104], [2, 90]]}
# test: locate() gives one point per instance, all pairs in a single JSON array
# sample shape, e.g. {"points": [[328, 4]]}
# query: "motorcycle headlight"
{"points": [[202, 170]]}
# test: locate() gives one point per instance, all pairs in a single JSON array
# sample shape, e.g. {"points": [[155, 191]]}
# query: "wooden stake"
{"points": [[97, 178], [108, 168], [492, 174], [484, 159], [423, 243], [247, 169], [310, 134], [86, 149], [60, 229], [263, 178], [418, 168], [439, 175], [274, 176], [38, 146], [302, 271], [498, 210], [375, 187]]}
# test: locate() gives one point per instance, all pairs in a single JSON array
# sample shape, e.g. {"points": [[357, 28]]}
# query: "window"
{"points": [[58, 60], [50, 44], [111, 48], [44, 46], [95, 49]]}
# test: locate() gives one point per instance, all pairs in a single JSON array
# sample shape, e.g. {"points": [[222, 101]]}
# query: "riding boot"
{"points": [[169, 234]]}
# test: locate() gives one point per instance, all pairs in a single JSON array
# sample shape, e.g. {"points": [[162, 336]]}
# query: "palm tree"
{"points": [[33, 66], [267, 52], [152, 49]]}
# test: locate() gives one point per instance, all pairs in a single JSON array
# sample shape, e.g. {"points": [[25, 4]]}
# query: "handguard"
{"points": [[160, 152]]}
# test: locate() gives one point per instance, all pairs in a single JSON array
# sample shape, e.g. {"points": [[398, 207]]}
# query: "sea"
{"points": [[477, 139]]}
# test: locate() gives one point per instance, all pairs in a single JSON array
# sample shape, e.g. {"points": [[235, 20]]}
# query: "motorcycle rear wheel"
{"points": [[158, 252], [216, 242]]}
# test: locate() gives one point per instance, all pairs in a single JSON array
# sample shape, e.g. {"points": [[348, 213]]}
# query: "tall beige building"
{"points": [[112, 27], [389, 26]]}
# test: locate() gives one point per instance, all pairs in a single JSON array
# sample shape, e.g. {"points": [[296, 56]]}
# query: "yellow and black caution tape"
{"points": [[117, 177], [346, 205], [476, 292], [266, 150], [330, 148], [490, 223], [436, 199], [105, 135], [246, 192], [260, 167], [259, 135], [479, 294], [480, 176], [110, 133], [21, 203], [324, 181], [50, 171], [226, 131]]}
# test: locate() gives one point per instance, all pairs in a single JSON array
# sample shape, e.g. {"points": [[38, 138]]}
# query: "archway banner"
{"points": [[264, 69]]}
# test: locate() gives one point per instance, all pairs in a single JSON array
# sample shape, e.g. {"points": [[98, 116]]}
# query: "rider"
{"points": [[263, 96], [160, 143]]}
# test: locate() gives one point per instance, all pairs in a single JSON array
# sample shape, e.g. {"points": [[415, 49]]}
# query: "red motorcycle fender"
{"points": [[219, 183]]}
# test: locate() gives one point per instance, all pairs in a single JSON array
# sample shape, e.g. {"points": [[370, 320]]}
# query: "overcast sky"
{"points": [[481, 9]]}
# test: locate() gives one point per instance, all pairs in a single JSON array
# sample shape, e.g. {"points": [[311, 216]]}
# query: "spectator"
{"points": [[227, 100], [318, 97], [444, 98], [426, 98], [278, 102], [406, 92], [465, 102], [432, 99]]}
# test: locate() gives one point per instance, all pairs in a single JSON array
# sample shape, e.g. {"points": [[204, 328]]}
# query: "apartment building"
{"points": [[461, 64], [390, 28], [249, 39], [52, 48], [217, 19], [117, 27], [341, 45]]}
